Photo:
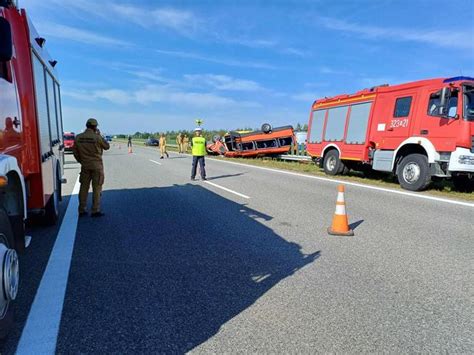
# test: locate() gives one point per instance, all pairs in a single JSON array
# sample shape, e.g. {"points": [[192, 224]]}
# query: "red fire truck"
{"points": [[31, 146], [418, 131]]}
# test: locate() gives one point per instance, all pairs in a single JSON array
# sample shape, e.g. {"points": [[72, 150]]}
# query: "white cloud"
{"points": [[181, 21], [308, 97], [114, 95], [246, 42], [445, 38], [156, 94], [332, 71], [224, 82], [295, 51], [78, 35], [151, 94], [223, 61]]}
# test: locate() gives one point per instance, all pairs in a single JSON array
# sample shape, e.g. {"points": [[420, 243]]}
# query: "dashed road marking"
{"points": [[154, 161], [40, 333], [228, 190]]}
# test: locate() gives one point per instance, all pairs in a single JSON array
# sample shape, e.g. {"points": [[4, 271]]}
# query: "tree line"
{"points": [[208, 134]]}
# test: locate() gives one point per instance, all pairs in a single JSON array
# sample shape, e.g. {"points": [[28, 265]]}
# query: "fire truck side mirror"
{"points": [[6, 44]]}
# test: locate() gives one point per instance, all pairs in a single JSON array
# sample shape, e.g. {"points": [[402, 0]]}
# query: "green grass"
{"points": [[443, 188]]}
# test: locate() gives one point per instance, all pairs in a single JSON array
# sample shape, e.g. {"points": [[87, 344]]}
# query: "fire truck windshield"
{"points": [[468, 102]]}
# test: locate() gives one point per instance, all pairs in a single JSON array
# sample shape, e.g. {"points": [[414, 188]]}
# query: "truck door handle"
{"points": [[424, 131]]}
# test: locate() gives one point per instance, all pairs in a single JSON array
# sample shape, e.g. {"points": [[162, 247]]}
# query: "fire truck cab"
{"points": [[417, 130], [31, 143]]}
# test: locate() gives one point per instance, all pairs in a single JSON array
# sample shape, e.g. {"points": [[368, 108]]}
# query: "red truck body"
{"points": [[31, 143], [34, 100], [380, 127]]}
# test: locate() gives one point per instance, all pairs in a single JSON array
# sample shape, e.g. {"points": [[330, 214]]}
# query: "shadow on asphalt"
{"points": [[166, 268], [354, 225], [224, 176]]}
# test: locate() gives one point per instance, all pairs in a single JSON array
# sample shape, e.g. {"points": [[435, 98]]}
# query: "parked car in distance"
{"points": [[152, 142], [108, 138], [68, 141]]}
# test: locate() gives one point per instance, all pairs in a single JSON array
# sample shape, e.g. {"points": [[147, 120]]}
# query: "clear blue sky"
{"points": [[154, 66]]}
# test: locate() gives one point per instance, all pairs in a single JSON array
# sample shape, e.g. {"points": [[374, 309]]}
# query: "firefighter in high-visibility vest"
{"points": [[198, 146], [88, 148]]}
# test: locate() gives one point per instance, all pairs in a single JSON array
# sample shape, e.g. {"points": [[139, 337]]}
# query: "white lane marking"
{"points": [[154, 161], [226, 189], [405, 193], [40, 333]]}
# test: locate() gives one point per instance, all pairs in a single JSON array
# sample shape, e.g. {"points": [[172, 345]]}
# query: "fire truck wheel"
{"points": [[463, 183], [332, 164], [52, 207], [9, 275], [414, 172]]}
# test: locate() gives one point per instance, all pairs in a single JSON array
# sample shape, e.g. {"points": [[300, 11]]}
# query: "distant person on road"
{"points": [[88, 149], [129, 143], [185, 143], [163, 151], [179, 143], [198, 144]]}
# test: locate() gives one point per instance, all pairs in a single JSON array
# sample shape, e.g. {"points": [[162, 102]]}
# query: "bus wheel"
{"points": [[266, 128], [9, 275], [463, 183], [414, 172], [332, 164], [52, 207]]}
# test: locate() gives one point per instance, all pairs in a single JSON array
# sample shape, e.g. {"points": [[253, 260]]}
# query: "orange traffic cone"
{"points": [[340, 224], [130, 150]]}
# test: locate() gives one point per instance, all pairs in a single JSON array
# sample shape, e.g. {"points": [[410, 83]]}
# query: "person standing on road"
{"points": [[88, 149], [185, 143], [198, 144], [129, 143], [178, 142], [163, 146]]}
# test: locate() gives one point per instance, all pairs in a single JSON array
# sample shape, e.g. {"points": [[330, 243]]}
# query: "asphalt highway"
{"points": [[243, 263]]}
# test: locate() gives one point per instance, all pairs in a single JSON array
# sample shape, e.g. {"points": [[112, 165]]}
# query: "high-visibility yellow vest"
{"points": [[199, 146]]}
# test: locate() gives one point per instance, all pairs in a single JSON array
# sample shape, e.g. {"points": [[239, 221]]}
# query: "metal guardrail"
{"points": [[295, 157], [296, 154]]}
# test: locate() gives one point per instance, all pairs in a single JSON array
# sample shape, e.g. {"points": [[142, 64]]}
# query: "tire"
{"points": [[51, 215], [266, 128], [413, 172], [6, 303], [332, 165], [463, 183]]}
